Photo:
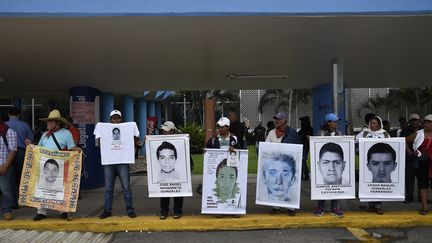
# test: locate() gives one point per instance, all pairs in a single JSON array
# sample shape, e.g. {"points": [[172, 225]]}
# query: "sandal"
{"points": [[424, 211]]}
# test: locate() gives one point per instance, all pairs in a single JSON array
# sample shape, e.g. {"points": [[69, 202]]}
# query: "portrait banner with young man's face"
{"points": [[332, 163], [224, 186], [50, 179], [382, 169], [279, 174], [168, 165]]}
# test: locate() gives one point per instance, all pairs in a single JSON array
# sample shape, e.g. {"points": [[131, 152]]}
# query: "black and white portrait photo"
{"points": [[168, 165], [332, 167], [382, 169], [278, 177]]}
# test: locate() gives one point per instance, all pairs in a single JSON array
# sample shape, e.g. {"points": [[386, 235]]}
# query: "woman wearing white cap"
{"points": [[168, 128], [422, 146], [56, 138]]}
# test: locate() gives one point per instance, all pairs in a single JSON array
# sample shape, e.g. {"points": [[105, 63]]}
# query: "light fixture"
{"points": [[250, 76]]}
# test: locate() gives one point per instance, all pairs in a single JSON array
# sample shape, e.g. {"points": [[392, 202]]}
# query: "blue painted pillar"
{"points": [[142, 119], [151, 108], [83, 110], [322, 104], [159, 114], [106, 106], [127, 108]]}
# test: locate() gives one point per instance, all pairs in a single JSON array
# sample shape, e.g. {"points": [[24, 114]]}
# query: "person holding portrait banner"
{"points": [[374, 130], [282, 133], [382, 171], [47, 165], [331, 164], [167, 157], [117, 146]]}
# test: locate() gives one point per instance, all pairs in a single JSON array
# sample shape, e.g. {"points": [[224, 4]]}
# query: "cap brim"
{"points": [[61, 119], [166, 129]]}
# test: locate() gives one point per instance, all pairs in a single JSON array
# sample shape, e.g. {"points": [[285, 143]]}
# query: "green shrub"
{"points": [[196, 136]]}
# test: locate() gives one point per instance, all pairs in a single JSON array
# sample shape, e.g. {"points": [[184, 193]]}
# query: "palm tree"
{"points": [[284, 98], [417, 100], [196, 99]]}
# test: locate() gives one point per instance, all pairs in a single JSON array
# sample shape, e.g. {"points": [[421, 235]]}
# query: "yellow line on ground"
{"points": [[362, 235], [210, 222]]}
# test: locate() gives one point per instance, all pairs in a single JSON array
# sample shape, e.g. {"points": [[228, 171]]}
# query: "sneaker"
{"points": [[105, 214], [39, 217], [8, 216], [275, 210], [291, 212], [319, 212], [132, 215], [163, 216], [379, 211], [337, 212], [177, 216], [64, 215]]}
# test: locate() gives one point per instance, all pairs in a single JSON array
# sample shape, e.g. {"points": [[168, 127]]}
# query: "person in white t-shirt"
{"points": [[112, 169]]}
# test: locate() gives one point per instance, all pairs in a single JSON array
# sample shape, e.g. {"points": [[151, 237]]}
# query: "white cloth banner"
{"points": [[332, 167], [279, 174], [224, 187], [168, 165], [382, 169]]}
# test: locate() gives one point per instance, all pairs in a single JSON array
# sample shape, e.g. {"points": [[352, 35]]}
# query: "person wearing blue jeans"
{"points": [[122, 171], [111, 172], [8, 148]]}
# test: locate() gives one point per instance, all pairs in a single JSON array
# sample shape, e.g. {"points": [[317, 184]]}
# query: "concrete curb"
{"points": [[209, 222]]}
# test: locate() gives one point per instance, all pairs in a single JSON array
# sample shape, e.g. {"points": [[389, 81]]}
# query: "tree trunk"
{"points": [[289, 107]]}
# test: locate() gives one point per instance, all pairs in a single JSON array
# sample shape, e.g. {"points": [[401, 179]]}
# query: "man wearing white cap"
{"points": [[224, 139], [117, 142], [282, 133]]}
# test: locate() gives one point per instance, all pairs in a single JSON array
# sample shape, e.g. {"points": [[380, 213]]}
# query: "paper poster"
{"points": [[50, 179], [382, 169], [224, 186], [279, 175], [168, 165], [332, 162]]}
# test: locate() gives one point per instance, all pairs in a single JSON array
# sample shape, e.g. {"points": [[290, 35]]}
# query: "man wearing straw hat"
{"points": [[56, 138]]}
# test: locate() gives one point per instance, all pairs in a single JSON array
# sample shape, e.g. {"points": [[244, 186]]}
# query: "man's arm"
{"points": [[4, 168]]}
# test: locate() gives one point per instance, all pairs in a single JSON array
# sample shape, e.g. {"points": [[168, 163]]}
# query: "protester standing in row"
{"points": [[25, 137], [410, 174], [8, 150], [118, 151], [56, 138], [330, 128], [305, 132], [421, 159], [283, 133], [168, 128]]}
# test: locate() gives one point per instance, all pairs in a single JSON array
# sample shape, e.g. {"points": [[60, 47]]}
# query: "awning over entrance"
{"points": [[131, 54]]}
